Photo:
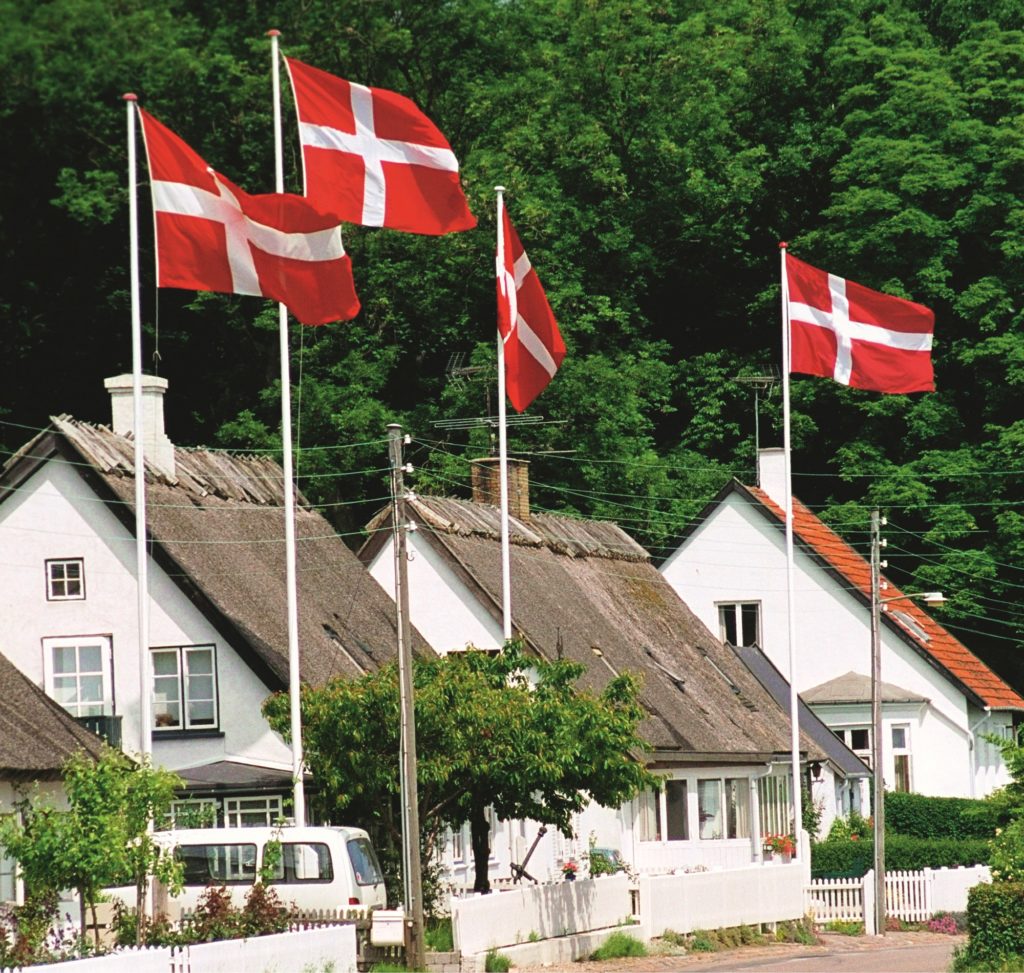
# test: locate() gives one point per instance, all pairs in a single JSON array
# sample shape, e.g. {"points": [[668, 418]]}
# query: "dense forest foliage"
{"points": [[654, 153]]}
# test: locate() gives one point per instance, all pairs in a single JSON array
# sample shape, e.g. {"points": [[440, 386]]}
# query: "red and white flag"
{"points": [[213, 236], [374, 158], [859, 337], [533, 344]]}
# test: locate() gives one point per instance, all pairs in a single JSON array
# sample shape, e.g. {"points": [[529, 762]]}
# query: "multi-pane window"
{"points": [[184, 687], [858, 739], [252, 812], [8, 885], [737, 807], [65, 579], [676, 814], [648, 816], [709, 808], [78, 674], [739, 623], [901, 757], [193, 812]]}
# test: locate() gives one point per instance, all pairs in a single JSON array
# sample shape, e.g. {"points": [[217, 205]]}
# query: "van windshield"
{"points": [[220, 863], [364, 862]]}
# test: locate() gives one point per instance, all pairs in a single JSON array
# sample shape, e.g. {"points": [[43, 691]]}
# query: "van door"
{"points": [[366, 870], [308, 876]]}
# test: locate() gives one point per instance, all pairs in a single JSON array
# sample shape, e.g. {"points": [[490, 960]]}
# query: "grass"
{"points": [[962, 963], [845, 928], [617, 945], [496, 962], [438, 936]]}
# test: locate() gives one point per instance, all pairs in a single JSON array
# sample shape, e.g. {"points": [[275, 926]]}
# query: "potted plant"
{"points": [[569, 870], [779, 844]]}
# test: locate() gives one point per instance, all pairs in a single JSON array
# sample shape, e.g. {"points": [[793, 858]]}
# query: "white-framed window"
{"points": [[184, 687], [65, 579], [709, 809], [737, 807], [193, 812], [8, 876], [677, 811], [252, 812], [78, 671], [858, 739], [901, 757], [739, 622], [648, 816], [776, 815], [459, 844]]}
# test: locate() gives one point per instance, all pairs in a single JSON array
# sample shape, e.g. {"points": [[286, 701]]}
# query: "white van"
{"points": [[319, 867]]}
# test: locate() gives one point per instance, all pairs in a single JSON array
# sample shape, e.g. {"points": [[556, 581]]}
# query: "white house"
{"points": [[217, 602], [938, 698], [584, 590]]}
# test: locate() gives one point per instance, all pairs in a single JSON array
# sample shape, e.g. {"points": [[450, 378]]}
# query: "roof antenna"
{"points": [[763, 381]]}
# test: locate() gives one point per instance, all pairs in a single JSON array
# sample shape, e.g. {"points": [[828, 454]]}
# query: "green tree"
{"points": [[505, 731]]}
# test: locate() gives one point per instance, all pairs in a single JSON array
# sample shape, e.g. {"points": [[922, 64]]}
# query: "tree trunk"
{"points": [[140, 910], [480, 838]]}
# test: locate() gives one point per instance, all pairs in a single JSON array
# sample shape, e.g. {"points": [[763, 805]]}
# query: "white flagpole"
{"points": [[506, 571], [294, 676], [141, 563], [794, 711]]}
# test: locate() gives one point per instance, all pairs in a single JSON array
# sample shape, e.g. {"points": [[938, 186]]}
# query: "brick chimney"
{"points": [[487, 484], [158, 449]]}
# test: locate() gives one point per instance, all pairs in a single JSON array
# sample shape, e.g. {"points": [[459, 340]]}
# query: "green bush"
{"points": [[995, 929], [848, 857], [438, 935], [619, 944], [941, 817], [495, 962], [1007, 857]]}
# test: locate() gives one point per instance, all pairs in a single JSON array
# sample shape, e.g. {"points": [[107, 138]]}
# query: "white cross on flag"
{"points": [[374, 158], [533, 344], [213, 236], [859, 337]]}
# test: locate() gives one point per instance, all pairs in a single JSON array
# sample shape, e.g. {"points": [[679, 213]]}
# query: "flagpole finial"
{"points": [[129, 96], [273, 32], [783, 244]]}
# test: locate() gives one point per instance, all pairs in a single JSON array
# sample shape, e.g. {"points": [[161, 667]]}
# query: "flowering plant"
{"points": [[781, 843], [570, 868]]}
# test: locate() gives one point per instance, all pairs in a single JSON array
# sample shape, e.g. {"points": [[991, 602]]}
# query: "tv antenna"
{"points": [[763, 383]]}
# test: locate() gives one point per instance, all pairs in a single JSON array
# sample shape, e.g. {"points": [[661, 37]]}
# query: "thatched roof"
{"points": [[586, 589], [37, 736], [218, 531]]}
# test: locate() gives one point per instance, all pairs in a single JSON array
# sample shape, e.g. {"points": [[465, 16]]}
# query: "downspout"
{"points": [[756, 838], [972, 753]]}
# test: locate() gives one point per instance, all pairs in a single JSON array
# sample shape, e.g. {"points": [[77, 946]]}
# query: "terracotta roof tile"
{"points": [[945, 648]]}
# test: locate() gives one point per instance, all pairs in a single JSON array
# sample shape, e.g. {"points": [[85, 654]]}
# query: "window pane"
{"points": [[90, 658], [860, 740], [200, 713], [200, 662], [91, 689], [899, 737], [709, 808], [364, 862], [902, 768], [165, 663], [749, 618], [65, 690], [676, 824], [737, 807], [648, 805], [727, 623], [305, 862], [64, 659]]}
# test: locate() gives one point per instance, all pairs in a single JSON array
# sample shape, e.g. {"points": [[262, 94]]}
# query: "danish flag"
{"points": [[859, 337], [374, 158], [533, 344], [213, 236]]}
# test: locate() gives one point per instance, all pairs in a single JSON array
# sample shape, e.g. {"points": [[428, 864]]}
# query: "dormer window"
{"points": [[65, 579], [739, 622]]}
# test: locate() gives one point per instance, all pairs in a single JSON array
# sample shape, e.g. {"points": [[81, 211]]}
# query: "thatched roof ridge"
{"points": [[37, 736]]}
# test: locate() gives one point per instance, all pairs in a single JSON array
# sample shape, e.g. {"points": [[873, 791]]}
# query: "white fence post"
{"points": [[867, 885]]}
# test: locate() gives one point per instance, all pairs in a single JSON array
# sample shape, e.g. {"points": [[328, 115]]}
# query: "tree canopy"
{"points": [[654, 154]]}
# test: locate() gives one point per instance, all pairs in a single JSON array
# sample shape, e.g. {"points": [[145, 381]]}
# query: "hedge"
{"points": [[902, 852], [941, 817], [994, 925]]}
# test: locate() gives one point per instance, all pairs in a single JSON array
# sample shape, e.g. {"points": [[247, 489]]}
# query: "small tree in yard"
{"points": [[514, 733], [102, 839]]}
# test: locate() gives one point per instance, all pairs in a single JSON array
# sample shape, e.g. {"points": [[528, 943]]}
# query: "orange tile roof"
{"points": [[945, 648]]}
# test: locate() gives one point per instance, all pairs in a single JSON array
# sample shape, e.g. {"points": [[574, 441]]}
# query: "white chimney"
{"points": [[158, 449], [771, 473]]}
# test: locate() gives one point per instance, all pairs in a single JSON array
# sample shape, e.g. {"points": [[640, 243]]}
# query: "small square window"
{"points": [[65, 579]]}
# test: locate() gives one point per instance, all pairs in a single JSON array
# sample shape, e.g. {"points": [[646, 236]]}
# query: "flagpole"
{"points": [[794, 711], [141, 563], [506, 571], [294, 676]]}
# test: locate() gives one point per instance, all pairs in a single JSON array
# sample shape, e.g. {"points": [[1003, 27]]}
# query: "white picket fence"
{"points": [[910, 896]]}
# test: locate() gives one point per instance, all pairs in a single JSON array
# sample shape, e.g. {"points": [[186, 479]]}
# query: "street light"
{"points": [[878, 604]]}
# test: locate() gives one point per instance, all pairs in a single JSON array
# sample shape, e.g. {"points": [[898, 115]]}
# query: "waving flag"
{"points": [[859, 337], [374, 158], [533, 344], [213, 236]]}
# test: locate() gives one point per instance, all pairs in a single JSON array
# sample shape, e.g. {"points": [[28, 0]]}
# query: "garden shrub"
{"points": [[919, 816], [902, 852], [619, 944], [1007, 857], [702, 943], [495, 962], [439, 937], [996, 932]]}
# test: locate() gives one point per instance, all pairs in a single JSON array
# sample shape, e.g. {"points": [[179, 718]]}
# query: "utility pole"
{"points": [[411, 874], [878, 778]]}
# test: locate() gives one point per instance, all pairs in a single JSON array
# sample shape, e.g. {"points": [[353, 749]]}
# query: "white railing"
{"points": [[908, 895], [835, 900]]}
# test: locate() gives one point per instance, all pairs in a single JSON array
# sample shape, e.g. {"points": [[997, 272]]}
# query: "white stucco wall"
{"points": [[55, 514], [738, 555]]}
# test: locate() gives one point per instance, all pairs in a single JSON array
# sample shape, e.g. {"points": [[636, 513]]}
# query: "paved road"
{"points": [[900, 952]]}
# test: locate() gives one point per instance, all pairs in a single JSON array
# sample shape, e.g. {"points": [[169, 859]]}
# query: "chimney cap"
{"points": [[127, 381]]}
